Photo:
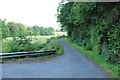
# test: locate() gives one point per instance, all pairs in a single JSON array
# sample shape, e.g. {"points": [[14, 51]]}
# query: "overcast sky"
{"points": [[30, 12]]}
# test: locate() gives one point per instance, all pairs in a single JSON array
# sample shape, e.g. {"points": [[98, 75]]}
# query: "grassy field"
{"points": [[110, 68], [41, 39], [7, 44], [60, 33]]}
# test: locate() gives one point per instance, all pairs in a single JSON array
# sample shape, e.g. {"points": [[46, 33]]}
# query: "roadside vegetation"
{"points": [[13, 29], [31, 44], [17, 37], [53, 43], [17, 44], [40, 44], [94, 28]]}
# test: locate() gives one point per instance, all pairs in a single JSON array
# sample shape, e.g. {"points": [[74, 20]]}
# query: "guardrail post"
{"points": [[54, 52]]}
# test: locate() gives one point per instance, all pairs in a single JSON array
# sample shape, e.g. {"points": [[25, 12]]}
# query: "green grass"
{"points": [[110, 68], [34, 38], [41, 39], [60, 50]]}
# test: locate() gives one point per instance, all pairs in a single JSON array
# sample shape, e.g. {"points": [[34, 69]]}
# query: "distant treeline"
{"points": [[13, 29]]}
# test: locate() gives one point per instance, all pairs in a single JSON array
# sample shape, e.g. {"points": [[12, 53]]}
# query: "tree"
{"points": [[22, 31], [13, 29], [37, 30], [4, 29], [92, 25]]}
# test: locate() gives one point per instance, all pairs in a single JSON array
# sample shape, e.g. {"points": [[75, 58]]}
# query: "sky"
{"points": [[30, 12]]}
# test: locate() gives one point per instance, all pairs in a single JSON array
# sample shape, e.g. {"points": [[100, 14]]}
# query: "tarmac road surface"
{"points": [[72, 64]]}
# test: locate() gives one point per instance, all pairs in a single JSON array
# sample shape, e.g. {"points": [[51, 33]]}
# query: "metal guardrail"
{"points": [[25, 54]]}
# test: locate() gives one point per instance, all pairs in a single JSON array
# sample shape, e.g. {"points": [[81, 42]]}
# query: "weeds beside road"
{"points": [[32, 43]]}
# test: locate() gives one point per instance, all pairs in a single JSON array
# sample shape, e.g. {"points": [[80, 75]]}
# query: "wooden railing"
{"points": [[26, 54]]}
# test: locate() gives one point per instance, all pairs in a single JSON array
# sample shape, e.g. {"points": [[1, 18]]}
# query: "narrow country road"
{"points": [[72, 64]]}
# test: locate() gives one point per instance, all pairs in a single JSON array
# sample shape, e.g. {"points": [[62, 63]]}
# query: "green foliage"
{"points": [[63, 36], [22, 31], [19, 33], [53, 43], [13, 29], [93, 25], [5, 47], [18, 44], [4, 30], [36, 30]]}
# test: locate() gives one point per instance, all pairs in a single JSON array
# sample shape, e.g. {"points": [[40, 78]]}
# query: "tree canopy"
{"points": [[94, 25], [13, 29]]}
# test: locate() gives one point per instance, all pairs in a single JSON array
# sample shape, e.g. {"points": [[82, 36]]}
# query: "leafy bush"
{"points": [[91, 25], [18, 44], [5, 47], [36, 46], [53, 43]]}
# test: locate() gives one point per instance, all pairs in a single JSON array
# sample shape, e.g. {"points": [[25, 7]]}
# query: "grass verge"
{"points": [[110, 68]]}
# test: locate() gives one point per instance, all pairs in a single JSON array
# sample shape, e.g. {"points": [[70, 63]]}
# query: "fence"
{"points": [[26, 54]]}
